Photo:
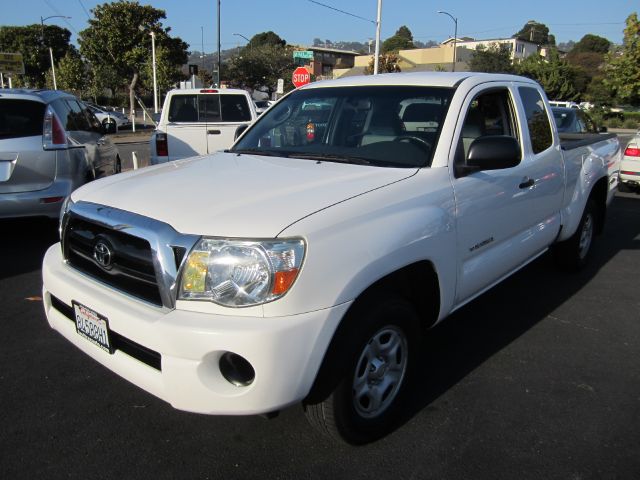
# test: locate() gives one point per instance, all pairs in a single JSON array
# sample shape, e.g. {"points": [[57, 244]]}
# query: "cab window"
{"points": [[490, 113]]}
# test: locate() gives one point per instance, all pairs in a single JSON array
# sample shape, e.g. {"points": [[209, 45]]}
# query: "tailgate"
{"points": [[25, 166]]}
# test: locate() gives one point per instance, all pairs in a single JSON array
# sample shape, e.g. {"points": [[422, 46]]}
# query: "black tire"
{"points": [[622, 187], [573, 253], [370, 364]]}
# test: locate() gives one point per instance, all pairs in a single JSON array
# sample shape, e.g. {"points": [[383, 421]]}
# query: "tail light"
{"points": [[162, 148], [632, 152], [54, 136]]}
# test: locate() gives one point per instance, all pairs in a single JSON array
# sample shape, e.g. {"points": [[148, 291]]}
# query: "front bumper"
{"points": [[285, 352]]}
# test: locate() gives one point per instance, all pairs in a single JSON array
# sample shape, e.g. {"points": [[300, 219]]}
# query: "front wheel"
{"points": [[372, 364]]}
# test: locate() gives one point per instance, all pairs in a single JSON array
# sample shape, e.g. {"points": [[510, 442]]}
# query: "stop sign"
{"points": [[300, 77]]}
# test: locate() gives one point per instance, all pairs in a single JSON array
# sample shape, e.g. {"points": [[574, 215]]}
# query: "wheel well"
{"points": [[417, 283], [599, 196]]}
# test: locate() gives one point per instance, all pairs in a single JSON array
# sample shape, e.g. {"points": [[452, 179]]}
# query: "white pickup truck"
{"points": [[198, 121], [303, 264]]}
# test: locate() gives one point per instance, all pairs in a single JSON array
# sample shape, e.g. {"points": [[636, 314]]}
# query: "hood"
{"points": [[235, 195]]}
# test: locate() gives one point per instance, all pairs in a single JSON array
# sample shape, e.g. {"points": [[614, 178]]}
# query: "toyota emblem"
{"points": [[102, 254]]}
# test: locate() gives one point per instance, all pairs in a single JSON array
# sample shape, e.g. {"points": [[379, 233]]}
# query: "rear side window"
{"points": [[65, 114], [209, 108], [537, 119], [235, 108], [80, 119], [20, 118]]}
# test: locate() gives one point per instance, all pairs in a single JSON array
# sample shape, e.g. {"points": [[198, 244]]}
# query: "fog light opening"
{"points": [[236, 370]]}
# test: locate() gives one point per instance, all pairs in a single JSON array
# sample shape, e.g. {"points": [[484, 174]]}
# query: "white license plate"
{"points": [[92, 326]]}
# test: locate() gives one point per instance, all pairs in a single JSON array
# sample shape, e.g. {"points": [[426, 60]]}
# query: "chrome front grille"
{"points": [[128, 252]]}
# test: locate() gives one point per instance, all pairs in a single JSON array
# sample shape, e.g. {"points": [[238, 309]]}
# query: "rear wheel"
{"points": [[574, 252], [372, 365]]}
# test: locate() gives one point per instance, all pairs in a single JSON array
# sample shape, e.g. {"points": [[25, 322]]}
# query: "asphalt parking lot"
{"points": [[538, 378]]}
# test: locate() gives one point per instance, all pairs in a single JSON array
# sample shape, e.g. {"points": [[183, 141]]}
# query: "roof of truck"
{"points": [[435, 79]]}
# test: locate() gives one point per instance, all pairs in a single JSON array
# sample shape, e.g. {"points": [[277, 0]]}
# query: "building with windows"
{"points": [[520, 49], [321, 61], [440, 58]]}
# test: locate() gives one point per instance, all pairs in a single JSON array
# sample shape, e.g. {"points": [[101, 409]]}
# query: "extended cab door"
{"points": [[506, 214]]}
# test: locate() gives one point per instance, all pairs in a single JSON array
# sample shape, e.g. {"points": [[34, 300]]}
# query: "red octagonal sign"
{"points": [[300, 77]]}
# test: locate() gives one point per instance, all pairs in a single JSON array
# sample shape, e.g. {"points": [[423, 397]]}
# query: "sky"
{"points": [[301, 21]]}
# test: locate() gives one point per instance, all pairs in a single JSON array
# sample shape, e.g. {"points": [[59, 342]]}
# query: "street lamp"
{"points": [[53, 69], [455, 37], [240, 35], [153, 66]]}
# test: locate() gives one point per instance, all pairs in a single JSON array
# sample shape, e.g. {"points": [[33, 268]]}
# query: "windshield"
{"points": [[391, 126]]}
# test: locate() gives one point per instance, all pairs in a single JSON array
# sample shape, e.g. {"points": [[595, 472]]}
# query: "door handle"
{"points": [[527, 182], [213, 132]]}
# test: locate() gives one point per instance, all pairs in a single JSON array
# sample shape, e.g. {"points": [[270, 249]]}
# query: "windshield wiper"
{"points": [[255, 151], [329, 157]]}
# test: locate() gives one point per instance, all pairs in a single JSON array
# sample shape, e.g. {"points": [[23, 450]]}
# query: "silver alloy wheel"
{"points": [[586, 236], [380, 371]]}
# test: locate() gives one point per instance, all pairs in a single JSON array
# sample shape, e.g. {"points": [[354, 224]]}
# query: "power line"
{"points": [[85, 10], [342, 11]]}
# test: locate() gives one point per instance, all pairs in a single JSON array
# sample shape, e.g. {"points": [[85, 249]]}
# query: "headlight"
{"points": [[240, 273]]}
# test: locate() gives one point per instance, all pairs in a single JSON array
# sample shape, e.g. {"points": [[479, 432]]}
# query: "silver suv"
{"points": [[50, 144]]}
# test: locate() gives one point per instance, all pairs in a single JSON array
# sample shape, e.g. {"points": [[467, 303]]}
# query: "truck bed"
{"points": [[569, 141]]}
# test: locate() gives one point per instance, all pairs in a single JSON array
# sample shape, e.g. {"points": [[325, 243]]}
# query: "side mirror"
{"points": [[239, 131], [109, 127], [493, 152]]}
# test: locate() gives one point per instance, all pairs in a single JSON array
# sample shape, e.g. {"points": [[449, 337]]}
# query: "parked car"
{"points": [[200, 121], [50, 144], [106, 116], [303, 264], [575, 120], [261, 105], [630, 165]]}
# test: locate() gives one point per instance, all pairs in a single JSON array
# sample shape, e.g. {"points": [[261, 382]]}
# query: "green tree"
{"points": [[591, 43], [534, 32], [623, 69], [588, 59], [599, 93], [495, 59], [33, 41], [72, 75], [115, 40], [260, 66], [265, 39], [555, 75], [387, 63], [402, 40]]}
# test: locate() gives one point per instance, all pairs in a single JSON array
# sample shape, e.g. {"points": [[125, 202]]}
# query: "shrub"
{"points": [[613, 122], [631, 123]]}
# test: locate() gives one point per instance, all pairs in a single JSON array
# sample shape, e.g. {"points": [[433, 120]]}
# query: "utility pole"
{"points": [[376, 61], [53, 68], [218, 75], [202, 56]]}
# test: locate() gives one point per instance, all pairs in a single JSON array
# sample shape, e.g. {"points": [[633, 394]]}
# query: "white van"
{"points": [[563, 104], [199, 121]]}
